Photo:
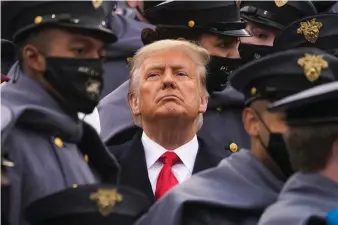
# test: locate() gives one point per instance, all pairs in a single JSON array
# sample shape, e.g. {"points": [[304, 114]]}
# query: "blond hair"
{"points": [[198, 55]]}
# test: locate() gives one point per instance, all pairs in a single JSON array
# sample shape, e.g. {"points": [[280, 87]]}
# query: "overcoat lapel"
{"points": [[205, 158], [134, 172]]}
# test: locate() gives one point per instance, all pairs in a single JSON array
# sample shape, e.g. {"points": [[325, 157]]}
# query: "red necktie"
{"points": [[166, 179]]}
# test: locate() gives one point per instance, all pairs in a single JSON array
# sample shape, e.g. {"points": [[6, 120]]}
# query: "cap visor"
{"points": [[235, 33], [264, 22]]}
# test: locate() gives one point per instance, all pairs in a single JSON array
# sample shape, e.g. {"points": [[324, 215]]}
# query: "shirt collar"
{"points": [[187, 152]]}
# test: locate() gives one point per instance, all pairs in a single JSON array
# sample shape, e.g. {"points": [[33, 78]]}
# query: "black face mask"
{"points": [[78, 81], [277, 150], [249, 52], [219, 70]]}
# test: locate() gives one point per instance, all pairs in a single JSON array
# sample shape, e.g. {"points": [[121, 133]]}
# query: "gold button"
{"points": [[233, 147], [219, 109], [58, 142], [86, 158], [75, 186], [191, 23], [253, 91], [38, 20], [129, 59]]}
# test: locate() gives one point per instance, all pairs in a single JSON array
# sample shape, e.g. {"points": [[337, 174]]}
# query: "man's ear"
{"points": [[250, 121], [133, 103], [33, 59], [203, 104]]}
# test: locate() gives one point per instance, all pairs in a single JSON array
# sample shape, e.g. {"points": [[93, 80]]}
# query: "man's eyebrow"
{"points": [[154, 67], [177, 66]]}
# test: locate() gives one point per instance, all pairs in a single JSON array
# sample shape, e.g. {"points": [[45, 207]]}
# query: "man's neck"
{"points": [[140, 17], [170, 134], [330, 171]]}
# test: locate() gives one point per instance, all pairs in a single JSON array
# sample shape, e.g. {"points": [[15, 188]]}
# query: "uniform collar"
{"points": [[187, 152]]}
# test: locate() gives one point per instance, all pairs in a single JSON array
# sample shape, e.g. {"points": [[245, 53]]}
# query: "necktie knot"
{"points": [[169, 158], [166, 179]]}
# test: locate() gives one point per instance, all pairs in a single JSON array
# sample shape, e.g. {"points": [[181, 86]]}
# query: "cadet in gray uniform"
{"points": [[217, 27], [62, 44], [245, 183], [265, 20], [101, 204], [312, 143], [128, 30]]}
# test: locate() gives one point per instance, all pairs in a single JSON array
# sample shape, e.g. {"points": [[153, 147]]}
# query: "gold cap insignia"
{"points": [[281, 3], [106, 200], [191, 23], [310, 29], [97, 3], [253, 91], [38, 19], [233, 147], [312, 65]]}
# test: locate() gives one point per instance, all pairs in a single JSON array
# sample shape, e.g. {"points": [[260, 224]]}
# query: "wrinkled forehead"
{"points": [[168, 59]]}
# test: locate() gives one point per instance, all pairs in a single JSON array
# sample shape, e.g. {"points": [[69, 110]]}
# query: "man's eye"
{"points": [[79, 51], [181, 74], [224, 44], [262, 36], [152, 75]]}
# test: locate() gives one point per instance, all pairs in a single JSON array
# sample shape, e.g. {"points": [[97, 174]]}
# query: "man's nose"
{"points": [[94, 55], [168, 80], [233, 52]]}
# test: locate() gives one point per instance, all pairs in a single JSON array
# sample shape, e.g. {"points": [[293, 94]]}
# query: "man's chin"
{"points": [[170, 112]]}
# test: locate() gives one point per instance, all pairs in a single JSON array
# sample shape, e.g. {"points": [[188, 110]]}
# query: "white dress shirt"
{"points": [[182, 170], [92, 119]]}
